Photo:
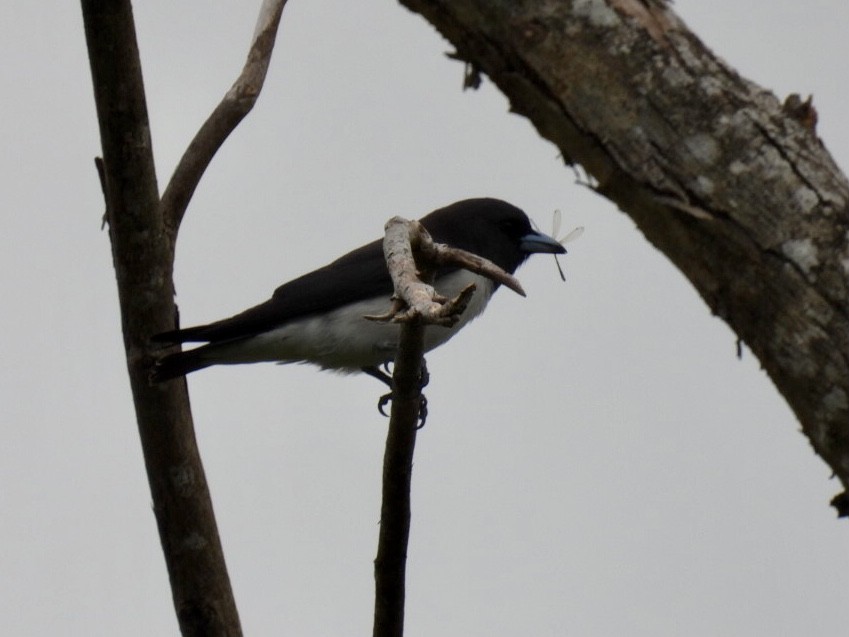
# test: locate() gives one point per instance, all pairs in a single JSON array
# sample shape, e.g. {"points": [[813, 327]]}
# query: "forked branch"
{"points": [[234, 106], [412, 257], [142, 230]]}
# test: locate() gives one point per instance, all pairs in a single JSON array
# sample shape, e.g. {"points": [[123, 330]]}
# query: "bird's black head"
{"points": [[491, 228]]}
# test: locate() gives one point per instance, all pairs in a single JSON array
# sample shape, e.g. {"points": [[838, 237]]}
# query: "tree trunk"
{"points": [[143, 255], [733, 186]]}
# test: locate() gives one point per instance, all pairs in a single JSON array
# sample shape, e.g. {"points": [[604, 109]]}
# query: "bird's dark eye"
{"points": [[512, 227]]}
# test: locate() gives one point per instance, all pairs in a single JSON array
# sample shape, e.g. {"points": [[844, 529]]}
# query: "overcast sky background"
{"points": [[614, 471]]}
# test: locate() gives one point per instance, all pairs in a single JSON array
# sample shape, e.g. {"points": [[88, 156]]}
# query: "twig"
{"points": [[415, 305], [441, 254], [235, 105], [415, 300], [391, 562], [390, 565]]}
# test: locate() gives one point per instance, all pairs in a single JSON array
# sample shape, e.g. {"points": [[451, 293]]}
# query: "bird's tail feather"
{"points": [[191, 334], [179, 364]]}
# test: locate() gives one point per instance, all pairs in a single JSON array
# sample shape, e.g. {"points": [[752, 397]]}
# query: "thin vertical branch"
{"points": [[390, 565], [416, 305]]}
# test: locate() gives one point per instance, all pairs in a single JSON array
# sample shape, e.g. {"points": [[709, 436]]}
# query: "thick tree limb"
{"points": [[236, 103], [143, 257], [143, 231], [734, 187]]}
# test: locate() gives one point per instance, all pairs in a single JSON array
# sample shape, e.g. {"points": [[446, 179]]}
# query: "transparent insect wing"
{"points": [[557, 221], [571, 236]]}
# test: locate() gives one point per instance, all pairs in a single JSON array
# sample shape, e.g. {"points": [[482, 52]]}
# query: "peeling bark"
{"points": [[733, 186]]}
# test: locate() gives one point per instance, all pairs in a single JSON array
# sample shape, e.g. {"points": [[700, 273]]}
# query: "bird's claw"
{"points": [[382, 402], [422, 417], [424, 379]]}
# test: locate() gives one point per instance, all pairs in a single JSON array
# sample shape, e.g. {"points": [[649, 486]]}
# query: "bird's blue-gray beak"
{"points": [[537, 242]]}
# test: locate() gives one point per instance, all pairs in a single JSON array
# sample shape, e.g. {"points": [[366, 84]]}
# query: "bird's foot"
{"points": [[386, 378]]}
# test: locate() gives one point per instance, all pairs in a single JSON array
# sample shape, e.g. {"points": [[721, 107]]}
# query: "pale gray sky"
{"points": [[617, 471]]}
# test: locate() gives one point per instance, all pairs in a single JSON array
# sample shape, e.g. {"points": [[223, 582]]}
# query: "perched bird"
{"points": [[318, 317]]}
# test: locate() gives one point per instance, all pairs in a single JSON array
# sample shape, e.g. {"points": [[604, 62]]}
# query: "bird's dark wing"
{"points": [[362, 274], [356, 276]]}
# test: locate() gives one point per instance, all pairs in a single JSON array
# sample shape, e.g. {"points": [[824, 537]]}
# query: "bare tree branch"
{"points": [[143, 258], [441, 254], [411, 257], [729, 183], [234, 106], [390, 565], [142, 232], [416, 300]]}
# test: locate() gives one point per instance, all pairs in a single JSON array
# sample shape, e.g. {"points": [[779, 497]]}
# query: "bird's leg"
{"points": [[424, 375], [384, 377]]}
